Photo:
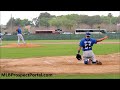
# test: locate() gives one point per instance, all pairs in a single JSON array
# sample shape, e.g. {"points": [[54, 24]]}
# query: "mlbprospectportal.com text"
{"points": [[25, 75]]}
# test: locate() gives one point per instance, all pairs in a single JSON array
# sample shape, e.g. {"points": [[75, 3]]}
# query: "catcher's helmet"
{"points": [[88, 34]]}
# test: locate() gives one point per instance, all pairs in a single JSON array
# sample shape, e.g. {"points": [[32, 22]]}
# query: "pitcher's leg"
{"points": [[22, 39], [0, 41], [18, 39]]}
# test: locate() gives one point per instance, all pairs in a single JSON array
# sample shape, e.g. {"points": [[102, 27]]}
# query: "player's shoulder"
{"points": [[83, 39], [92, 38]]}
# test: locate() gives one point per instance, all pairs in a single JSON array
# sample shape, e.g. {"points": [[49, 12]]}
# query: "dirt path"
{"points": [[12, 45], [60, 65], [30, 45]]}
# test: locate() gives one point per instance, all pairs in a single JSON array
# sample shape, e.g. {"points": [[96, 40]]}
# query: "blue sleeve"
{"points": [[94, 41], [81, 43]]}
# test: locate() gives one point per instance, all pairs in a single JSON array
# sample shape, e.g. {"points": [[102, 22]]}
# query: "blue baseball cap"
{"points": [[88, 34]]}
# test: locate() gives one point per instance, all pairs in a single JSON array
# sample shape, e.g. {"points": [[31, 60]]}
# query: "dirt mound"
{"points": [[61, 65], [20, 45]]}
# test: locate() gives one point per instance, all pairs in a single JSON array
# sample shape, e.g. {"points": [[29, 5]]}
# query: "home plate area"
{"points": [[60, 65]]}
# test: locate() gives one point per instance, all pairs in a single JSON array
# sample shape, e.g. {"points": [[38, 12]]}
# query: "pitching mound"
{"points": [[61, 65], [20, 45]]}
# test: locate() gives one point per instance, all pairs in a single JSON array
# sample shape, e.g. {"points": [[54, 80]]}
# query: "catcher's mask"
{"points": [[88, 34]]}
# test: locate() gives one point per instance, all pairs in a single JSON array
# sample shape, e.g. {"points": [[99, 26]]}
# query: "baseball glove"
{"points": [[16, 29], [78, 56]]}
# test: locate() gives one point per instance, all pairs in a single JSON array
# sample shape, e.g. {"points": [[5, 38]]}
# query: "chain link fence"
{"points": [[60, 36]]}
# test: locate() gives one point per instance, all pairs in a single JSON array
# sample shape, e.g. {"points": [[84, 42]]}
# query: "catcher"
{"points": [[86, 45]]}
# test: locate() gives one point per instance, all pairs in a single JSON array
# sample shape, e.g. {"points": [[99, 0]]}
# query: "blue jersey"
{"points": [[87, 43], [19, 31]]}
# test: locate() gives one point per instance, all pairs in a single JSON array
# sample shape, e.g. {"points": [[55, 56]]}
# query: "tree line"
{"points": [[68, 21]]}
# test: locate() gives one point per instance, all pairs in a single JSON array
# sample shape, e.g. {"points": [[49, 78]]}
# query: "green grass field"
{"points": [[67, 76], [54, 49], [59, 50], [37, 41]]}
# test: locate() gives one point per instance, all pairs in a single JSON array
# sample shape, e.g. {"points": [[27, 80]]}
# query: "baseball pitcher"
{"points": [[1, 39], [86, 45], [19, 34]]}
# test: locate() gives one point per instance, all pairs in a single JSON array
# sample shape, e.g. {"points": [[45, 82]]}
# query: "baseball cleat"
{"points": [[97, 62]]}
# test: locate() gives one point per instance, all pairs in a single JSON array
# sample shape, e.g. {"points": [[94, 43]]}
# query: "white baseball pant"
{"points": [[20, 37], [0, 41], [89, 54]]}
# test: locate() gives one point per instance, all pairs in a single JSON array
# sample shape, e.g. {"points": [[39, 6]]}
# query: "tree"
{"points": [[45, 15], [67, 22], [110, 16], [94, 20], [90, 20], [55, 22], [26, 22], [18, 21], [98, 27], [42, 19], [11, 21], [84, 19], [118, 19], [34, 21], [74, 18], [105, 19], [44, 22]]}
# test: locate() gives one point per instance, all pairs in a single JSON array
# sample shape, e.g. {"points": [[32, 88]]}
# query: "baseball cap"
{"points": [[88, 34]]}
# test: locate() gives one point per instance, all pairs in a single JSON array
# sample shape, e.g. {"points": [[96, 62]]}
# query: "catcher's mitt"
{"points": [[78, 56]]}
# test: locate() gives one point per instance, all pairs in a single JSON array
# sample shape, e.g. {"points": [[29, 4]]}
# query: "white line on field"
{"points": [[47, 62]]}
